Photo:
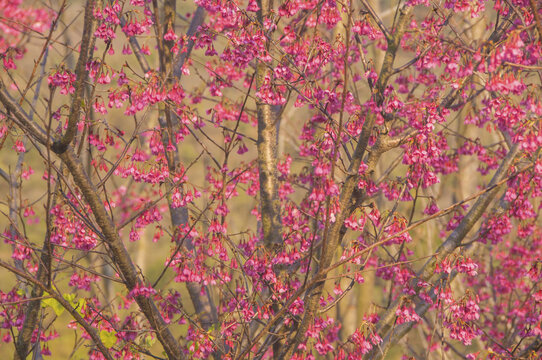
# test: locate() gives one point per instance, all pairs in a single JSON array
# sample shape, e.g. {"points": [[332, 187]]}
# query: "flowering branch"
{"points": [[61, 145]]}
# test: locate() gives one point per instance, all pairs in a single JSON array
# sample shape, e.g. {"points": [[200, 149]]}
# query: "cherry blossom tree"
{"points": [[298, 179]]}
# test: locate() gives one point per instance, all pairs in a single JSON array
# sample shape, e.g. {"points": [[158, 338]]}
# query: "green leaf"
{"points": [[385, 214], [108, 338], [149, 341], [76, 304], [54, 304], [70, 298], [79, 306], [210, 332]]}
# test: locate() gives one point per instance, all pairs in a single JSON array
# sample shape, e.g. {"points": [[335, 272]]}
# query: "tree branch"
{"points": [[61, 145], [203, 305], [119, 254], [183, 55], [313, 294], [66, 305], [427, 273]]}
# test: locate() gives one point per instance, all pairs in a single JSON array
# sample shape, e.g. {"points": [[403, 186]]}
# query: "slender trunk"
{"points": [[171, 73], [267, 151]]}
